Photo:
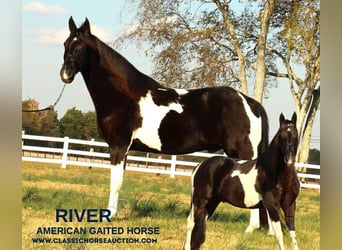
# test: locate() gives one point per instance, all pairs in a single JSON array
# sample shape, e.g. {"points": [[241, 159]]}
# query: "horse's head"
{"points": [[75, 50], [288, 138]]}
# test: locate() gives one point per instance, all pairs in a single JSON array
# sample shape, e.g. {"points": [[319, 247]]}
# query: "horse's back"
{"points": [[216, 118], [211, 172]]}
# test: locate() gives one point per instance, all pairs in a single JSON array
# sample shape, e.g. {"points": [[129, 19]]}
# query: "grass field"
{"points": [[146, 200]]}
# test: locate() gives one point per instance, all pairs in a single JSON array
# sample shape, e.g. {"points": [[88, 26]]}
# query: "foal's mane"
{"points": [[270, 159], [130, 80]]}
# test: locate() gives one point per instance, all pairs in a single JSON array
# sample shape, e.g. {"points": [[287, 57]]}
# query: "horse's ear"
{"points": [[86, 27], [294, 118], [281, 119], [72, 25]]}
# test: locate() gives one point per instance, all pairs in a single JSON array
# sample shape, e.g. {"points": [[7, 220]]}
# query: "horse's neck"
{"points": [[272, 160], [110, 69], [103, 79]]}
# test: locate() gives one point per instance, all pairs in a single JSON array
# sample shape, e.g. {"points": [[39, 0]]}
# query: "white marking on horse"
{"points": [[252, 197], [254, 222], [293, 240], [255, 132], [65, 75], [152, 115], [278, 233], [241, 161], [255, 135], [181, 91], [189, 228], [191, 219], [116, 180]]}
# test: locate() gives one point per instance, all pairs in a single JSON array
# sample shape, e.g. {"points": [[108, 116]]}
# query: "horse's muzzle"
{"points": [[67, 76], [289, 159]]}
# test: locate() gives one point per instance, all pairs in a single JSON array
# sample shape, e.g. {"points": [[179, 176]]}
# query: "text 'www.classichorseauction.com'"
{"points": [[92, 234]]}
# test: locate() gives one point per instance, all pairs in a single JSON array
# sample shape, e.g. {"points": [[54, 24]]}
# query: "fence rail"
{"points": [[172, 165]]}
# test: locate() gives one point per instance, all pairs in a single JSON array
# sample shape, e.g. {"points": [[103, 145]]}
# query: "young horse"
{"points": [[269, 181], [136, 112]]}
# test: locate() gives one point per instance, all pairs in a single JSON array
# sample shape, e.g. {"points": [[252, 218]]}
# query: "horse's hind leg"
{"points": [[189, 228], [212, 205], [196, 223]]}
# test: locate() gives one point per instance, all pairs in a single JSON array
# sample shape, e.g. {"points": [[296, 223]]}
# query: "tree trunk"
{"points": [[241, 58], [261, 47], [306, 128], [303, 151]]}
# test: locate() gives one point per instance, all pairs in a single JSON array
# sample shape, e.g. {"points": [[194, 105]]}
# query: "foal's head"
{"points": [[75, 50], [288, 138]]}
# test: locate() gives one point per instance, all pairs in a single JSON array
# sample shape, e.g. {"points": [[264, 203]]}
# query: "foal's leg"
{"points": [[253, 221], [189, 228], [259, 218], [290, 222], [212, 205], [196, 225], [272, 206]]}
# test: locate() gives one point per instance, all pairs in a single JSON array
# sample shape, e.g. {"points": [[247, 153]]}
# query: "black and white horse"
{"points": [[136, 112], [270, 181]]}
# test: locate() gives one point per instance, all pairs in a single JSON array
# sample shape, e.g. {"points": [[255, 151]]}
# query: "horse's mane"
{"points": [[118, 66]]}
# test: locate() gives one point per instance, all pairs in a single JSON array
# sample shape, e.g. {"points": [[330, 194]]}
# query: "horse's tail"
{"points": [[263, 145]]}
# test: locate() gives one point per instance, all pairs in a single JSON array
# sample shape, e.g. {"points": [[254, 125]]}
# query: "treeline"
{"points": [[74, 124]]}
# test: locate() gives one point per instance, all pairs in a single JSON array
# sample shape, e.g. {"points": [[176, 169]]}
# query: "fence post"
{"points": [[91, 151], [173, 166], [22, 135], [65, 152]]}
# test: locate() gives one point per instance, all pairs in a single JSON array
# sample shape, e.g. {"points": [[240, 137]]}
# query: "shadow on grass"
{"points": [[140, 207], [235, 217]]}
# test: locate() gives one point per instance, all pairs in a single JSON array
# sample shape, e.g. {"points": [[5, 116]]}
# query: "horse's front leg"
{"points": [[254, 222], [255, 219], [272, 207], [116, 179], [289, 212]]}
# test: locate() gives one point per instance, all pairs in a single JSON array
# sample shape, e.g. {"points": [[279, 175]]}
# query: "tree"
{"points": [[244, 44], [50, 123], [90, 127], [30, 120], [300, 46], [72, 124], [204, 43], [39, 123], [314, 156]]}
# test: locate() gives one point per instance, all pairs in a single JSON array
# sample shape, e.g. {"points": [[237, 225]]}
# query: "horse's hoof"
{"points": [[250, 229], [113, 211], [270, 232]]}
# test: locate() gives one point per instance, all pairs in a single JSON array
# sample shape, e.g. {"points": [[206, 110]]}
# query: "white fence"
{"points": [[152, 163]]}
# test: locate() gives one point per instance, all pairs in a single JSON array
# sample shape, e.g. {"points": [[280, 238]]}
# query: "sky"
{"points": [[45, 28]]}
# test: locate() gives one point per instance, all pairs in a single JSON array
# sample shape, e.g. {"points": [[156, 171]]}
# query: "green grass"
{"points": [[146, 200]]}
